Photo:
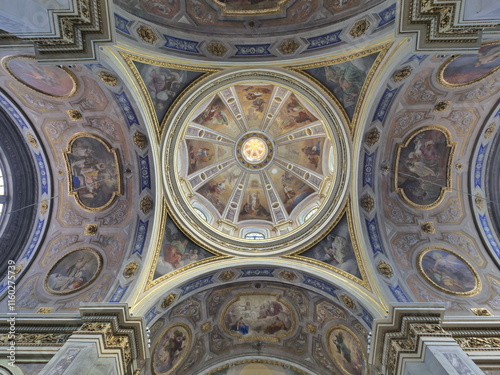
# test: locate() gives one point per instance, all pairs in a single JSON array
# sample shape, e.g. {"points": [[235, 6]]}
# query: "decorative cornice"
{"points": [[77, 35], [402, 335], [436, 26]]}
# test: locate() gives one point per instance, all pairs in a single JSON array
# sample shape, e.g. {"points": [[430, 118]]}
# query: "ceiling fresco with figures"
{"points": [[259, 180], [257, 163], [227, 322]]}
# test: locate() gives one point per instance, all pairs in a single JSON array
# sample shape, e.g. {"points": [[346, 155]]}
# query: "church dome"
{"points": [[255, 162]]}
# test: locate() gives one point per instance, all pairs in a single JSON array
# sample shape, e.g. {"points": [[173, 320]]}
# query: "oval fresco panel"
{"points": [[423, 167], [467, 69], [46, 79], [448, 271], [171, 349], [253, 316], [93, 171], [346, 351], [74, 271]]}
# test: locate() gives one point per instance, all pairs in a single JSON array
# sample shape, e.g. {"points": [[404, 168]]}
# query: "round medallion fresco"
{"points": [[346, 350], [463, 70], [171, 349], [46, 79], [448, 272], [255, 152], [74, 271]]}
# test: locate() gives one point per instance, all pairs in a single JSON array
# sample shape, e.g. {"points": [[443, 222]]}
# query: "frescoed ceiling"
{"points": [[258, 180]]}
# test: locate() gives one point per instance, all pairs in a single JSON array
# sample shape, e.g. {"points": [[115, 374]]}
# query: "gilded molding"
{"points": [[449, 167], [72, 92], [76, 34], [478, 342], [181, 356], [440, 73], [86, 284], [277, 7], [250, 361], [336, 350], [73, 192], [278, 336], [111, 339], [474, 291]]}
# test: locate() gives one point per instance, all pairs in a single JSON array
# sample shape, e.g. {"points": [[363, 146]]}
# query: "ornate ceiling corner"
{"points": [[167, 248], [400, 334], [311, 72], [76, 32], [119, 330], [436, 26], [163, 96], [403, 336]]}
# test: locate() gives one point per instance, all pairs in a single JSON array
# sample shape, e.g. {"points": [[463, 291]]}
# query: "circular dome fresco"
{"points": [[255, 162]]}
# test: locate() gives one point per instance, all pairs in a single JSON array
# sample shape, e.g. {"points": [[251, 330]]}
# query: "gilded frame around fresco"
{"points": [[364, 278], [88, 283], [444, 189], [184, 352], [382, 49], [5, 65], [442, 81], [250, 12], [111, 150], [160, 123], [276, 338], [250, 361], [477, 279], [151, 281], [330, 349]]}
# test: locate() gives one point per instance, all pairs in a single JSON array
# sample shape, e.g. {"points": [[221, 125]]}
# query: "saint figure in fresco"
{"points": [[170, 350], [173, 253], [347, 79]]}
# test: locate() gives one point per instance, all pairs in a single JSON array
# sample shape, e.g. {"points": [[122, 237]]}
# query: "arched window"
{"points": [[254, 236], [200, 213], [310, 214]]}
